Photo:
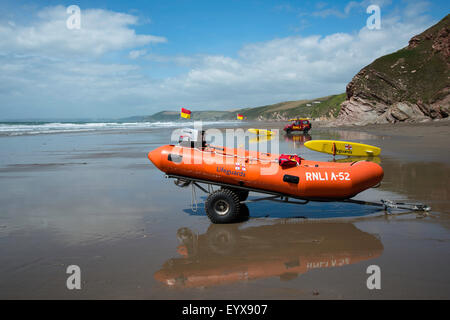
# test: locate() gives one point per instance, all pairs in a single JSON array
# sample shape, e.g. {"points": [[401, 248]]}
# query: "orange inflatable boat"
{"points": [[240, 171]]}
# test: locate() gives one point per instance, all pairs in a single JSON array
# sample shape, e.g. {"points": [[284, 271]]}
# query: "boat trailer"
{"points": [[241, 192]]}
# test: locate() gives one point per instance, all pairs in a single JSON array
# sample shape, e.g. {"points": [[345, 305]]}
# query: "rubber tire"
{"points": [[288, 131], [305, 131], [244, 213], [242, 194], [230, 198]]}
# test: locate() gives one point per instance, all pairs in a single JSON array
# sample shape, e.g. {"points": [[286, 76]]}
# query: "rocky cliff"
{"points": [[412, 84]]}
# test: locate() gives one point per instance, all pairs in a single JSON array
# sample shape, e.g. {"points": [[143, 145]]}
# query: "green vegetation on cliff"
{"points": [[315, 108], [418, 74], [321, 107], [165, 116]]}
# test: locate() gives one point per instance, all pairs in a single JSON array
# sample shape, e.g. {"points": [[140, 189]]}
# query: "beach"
{"points": [[92, 198]]}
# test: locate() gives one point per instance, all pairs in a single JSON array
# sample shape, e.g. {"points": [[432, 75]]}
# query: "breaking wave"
{"points": [[33, 128]]}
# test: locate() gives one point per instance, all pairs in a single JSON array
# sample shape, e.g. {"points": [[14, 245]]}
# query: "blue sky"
{"points": [[140, 57]]}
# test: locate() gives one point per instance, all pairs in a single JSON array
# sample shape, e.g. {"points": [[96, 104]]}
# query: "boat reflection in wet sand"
{"points": [[355, 159], [260, 139], [298, 139], [226, 254]]}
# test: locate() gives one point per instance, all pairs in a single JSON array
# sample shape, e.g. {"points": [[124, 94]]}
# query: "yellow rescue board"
{"points": [[343, 148], [262, 132]]}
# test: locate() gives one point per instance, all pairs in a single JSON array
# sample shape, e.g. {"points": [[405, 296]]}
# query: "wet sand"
{"points": [[94, 200], [427, 141]]}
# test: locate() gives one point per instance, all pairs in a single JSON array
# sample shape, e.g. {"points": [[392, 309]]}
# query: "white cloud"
{"points": [[134, 54], [416, 9], [350, 6], [361, 5], [289, 68], [42, 84], [101, 31], [329, 12]]}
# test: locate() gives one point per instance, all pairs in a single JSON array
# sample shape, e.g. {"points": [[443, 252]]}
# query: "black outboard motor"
{"points": [[192, 138]]}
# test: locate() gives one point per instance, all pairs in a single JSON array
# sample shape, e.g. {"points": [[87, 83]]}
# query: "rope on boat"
{"points": [[236, 156]]}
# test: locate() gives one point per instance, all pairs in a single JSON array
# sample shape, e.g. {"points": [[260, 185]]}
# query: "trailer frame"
{"points": [[184, 181]]}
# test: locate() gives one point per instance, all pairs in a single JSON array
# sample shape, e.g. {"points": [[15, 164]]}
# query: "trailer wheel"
{"points": [[185, 235], [222, 206], [222, 239], [242, 194]]}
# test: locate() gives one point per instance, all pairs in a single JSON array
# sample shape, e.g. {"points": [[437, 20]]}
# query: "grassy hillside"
{"points": [[321, 107], [418, 73], [175, 116], [315, 108]]}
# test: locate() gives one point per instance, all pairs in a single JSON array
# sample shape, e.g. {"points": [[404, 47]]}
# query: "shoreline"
{"points": [[423, 141]]}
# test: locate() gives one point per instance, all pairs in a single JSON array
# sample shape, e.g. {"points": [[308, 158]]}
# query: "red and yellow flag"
{"points": [[240, 117], [185, 113]]}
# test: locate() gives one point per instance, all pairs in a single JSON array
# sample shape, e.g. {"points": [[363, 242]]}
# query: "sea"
{"points": [[48, 127]]}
